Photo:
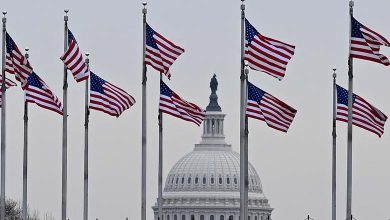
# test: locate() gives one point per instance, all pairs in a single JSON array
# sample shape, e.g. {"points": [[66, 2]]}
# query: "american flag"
{"points": [[172, 104], [364, 115], [108, 98], [265, 107], [160, 52], [39, 93], [15, 62], [8, 84], [365, 43], [74, 61], [266, 54]]}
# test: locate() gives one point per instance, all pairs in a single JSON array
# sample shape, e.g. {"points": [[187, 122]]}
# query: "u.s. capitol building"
{"points": [[205, 183]]}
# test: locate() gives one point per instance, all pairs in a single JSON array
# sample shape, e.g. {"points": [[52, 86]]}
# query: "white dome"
{"points": [[211, 171]]}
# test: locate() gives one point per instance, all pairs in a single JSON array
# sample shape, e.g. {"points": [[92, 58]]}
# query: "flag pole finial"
{"points": [[351, 3], [144, 10], [334, 73], [4, 18], [66, 14], [26, 54], [87, 58]]}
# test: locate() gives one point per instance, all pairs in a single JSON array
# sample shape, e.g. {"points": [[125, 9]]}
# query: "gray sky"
{"points": [[295, 168]]}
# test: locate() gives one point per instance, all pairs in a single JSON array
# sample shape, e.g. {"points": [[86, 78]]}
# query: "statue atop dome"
{"points": [[213, 104]]}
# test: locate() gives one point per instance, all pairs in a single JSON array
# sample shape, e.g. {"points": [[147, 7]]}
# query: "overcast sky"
{"points": [[295, 168]]}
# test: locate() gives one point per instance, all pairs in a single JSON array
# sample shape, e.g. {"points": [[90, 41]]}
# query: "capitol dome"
{"points": [[205, 183]]}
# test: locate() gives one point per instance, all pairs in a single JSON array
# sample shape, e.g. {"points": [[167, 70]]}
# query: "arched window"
{"points": [[168, 217], [228, 180], [212, 180], [256, 218], [196, 180], [202, 217], [249, 218], [173, 179], [211, 217], [177, 180], [220, 180], [182, 180], [183, 217], [189, 180], [221, 217], [175, 217], [230, 217], [204, 180], [235, 180]]}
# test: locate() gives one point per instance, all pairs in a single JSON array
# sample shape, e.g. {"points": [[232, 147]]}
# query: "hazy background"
{"points": [[295, 168]]}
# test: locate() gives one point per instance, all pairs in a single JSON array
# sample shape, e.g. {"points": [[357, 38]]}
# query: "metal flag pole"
{"points": [[160, 161], [243, 158], [86, 123], [349, 149], [65, 125], [334, 135], [144, 79], [25, 152], [3, 108], [246, 143]]}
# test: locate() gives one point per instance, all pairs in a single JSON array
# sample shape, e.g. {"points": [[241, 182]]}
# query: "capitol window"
{"points": [[211, 217], [220, 180], [212, 180], [228, 180], [182, 180], [183, 217], [189, 180], [175, 217], [177, 180], [204, 180], [196, 180], [231, 217], [221, 217], [235, 180], [201, 217], [192, 217]]}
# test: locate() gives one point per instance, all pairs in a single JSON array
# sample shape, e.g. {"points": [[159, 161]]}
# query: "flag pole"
{"points": [[246, 142], [243, 158], [160, 161], [86, 124], [25, 152], [349, 147], [334, 135], [3, 108], [65, 125], [144, 79]]}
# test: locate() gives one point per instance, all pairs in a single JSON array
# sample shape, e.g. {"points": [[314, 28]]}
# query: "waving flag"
{"points": [[15, 62], [74, 61], [8, 84], [39, 93], [365, 43], [160, 52], [364, 115], [266, 54], [265, 107], [108, 98], [172, 104]]}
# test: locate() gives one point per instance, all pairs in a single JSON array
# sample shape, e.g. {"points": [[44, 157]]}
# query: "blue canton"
{"points": [[250, 31], [34, 80], [71, 37], [254, 93], [355, 31], [165, 90], [342, 96], [10, 45], [97, 83], [149, 37]]}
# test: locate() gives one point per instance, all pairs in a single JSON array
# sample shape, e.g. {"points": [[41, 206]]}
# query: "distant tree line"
{"points": [[13, 211]]}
